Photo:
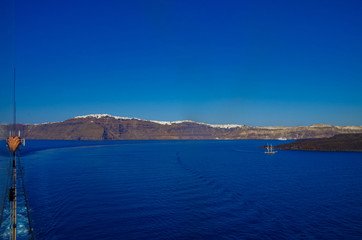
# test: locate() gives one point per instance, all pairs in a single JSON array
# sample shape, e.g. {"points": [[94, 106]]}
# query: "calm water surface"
{"points": [[191, 190]]}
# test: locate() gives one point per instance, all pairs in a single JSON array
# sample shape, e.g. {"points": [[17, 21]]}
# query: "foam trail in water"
{"points": [[22, 224]]}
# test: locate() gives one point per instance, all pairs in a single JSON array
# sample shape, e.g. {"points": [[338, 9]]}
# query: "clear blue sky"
{"points": [[259, 63]]}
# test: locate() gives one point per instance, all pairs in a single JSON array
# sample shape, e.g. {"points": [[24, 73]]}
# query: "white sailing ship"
{"points": [[269, 149]]}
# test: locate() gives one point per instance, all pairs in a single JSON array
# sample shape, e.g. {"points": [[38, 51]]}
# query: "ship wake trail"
{"points": [[217, 187], [22, 223], [24, 228], [245, 211]]}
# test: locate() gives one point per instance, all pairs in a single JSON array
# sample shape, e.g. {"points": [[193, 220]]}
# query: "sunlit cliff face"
{"points": [[107, 127]]}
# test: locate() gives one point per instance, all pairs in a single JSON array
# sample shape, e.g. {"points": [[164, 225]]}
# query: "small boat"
{"points": [[269, 149], [282, 139]]}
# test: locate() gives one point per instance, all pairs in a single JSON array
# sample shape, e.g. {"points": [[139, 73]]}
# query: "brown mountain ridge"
{"points": [[106, 127]]}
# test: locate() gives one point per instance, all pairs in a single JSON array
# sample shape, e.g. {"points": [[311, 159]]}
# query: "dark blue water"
{"points": [[191, 190]]}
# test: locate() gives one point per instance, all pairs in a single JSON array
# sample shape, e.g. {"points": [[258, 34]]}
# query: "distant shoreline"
{"points": [[106, 127]]}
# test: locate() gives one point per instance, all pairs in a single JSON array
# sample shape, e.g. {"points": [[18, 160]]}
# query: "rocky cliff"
{"points": [[106, 127], [342, 142]]}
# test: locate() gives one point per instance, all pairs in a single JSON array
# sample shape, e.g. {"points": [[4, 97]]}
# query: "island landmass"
{"points": [[106, 127], [341, 142]]}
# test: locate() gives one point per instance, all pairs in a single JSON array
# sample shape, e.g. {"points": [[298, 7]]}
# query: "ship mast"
{"points": [[17, 186], [14, 107], [13, 142]]}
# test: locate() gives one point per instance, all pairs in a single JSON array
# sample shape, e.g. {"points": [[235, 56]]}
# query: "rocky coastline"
{"points": [[341, 142]]}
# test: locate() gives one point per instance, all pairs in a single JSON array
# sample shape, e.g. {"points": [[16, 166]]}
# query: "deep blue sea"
{"points": [[190, 190]]}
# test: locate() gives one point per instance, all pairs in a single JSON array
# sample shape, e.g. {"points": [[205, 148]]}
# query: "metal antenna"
{"points": [[14, 107]]}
